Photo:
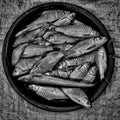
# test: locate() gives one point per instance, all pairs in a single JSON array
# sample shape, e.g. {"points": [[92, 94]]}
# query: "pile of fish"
{"points": [[58, 56]]}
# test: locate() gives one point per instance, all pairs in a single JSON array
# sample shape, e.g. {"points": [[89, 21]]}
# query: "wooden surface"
{"points": [[106, 107]]}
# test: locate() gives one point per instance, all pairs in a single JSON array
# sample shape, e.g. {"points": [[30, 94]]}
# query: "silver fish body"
{"points": [[33, 30], [50, 16], [78, 96], [78, 61], [80, 71], [49, 93], [17, 52], [101, 61], [40, 79], [24, 65], [60, 39], [91, 74], [76, 30], [36, 50], [60, 73], [64, 21], [86, 46], [30, 36], [47, 63]]}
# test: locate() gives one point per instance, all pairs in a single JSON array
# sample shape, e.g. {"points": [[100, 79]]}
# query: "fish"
{"points": [[49, 93], [86, 46], [78, 96], [17, 52], [80, 71], [101, 61], [30, 36], [50, 16], [75, 30], [59, 73], [35, 50], [41, 79], [33, 30], [25, 65], [45, 18], [90, 57], [64, 21], [47, 63], [91, 74], [61, 38]]}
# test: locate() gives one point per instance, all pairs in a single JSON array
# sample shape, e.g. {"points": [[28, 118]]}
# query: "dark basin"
{"points": [[27, 17]]}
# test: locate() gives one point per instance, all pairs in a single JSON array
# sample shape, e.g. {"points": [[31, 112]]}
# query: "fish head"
{"points": [[18, 71], [86, 102], [33, 87], [100, 40]]}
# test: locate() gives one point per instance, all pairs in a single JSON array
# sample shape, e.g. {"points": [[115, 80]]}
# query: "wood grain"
{"points": [[107, 107]]}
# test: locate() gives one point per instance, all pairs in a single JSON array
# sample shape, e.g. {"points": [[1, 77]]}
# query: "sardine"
{"points": [[78, 96], [60, 39], [85, 46], [60, 73], [47, 63], [91, 75], [101, 61], [78, 61], [30, 36], [24, 65], [49, 93], [76, 30], [36, 50], [49, 16], [64, 21], [41, 29], [17, 53], [80, 71], [40, 79]]}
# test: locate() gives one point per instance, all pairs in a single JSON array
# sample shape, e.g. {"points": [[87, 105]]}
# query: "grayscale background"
{"points": [[106, 107]]}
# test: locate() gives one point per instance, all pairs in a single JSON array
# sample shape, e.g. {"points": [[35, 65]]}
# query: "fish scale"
{"points": [[76, 30], [24, 65], [86, 46], [49, 93], [47, 63], [36, 50], [80, 71], [78, 61], [78, 96], [101, 61], [90, 76], [17, 52]]}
